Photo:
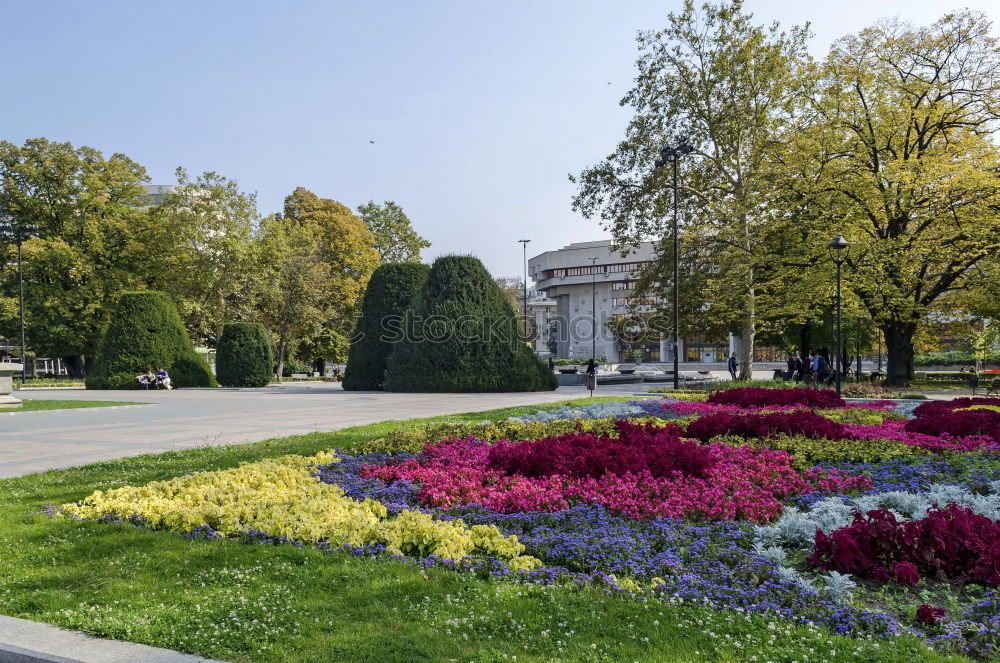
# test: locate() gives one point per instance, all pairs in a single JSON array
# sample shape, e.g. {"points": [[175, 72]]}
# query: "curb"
{"points": [[23, 641]]}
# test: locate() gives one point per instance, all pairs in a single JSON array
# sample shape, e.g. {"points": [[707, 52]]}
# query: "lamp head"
{"points": [[839, 249]]}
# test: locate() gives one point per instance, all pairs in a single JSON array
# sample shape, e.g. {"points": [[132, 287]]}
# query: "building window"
{"points": [[623, 285]]}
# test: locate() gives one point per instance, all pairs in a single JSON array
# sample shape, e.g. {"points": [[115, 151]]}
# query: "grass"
{"points": [[266, 603], [33, 404]]}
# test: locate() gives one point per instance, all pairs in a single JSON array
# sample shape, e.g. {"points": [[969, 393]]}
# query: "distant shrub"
{"points": [[294, 367], [146, 333], [389, 292], [462, 335], [747, 397], [243, 356]]}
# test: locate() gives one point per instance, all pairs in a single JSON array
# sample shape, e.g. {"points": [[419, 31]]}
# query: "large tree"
{"points": [[899, 157], [320, 257], [395, 238], [206, 258], [731, 87], [94, 241]]}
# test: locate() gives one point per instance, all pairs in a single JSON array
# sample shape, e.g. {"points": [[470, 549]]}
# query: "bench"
{"points": [[300, 376], [993, 387]]}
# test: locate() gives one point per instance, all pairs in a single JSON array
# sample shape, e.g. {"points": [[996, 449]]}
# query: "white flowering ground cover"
{"points": [[243, 602]]}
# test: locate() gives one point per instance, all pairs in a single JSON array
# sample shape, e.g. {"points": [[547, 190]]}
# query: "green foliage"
{"points": [[293, 366], [395, 239], [243, 356], [861, 416], [460, 334], [389, 293], [94, 241], [955, 357], [146, 333], [808, 452]]}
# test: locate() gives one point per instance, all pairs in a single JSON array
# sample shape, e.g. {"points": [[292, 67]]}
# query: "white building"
{"points": [[588, 282]]}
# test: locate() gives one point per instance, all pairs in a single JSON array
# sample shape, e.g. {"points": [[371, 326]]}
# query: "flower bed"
{"points": [[952, 542], [717, 502], [726, 483]]}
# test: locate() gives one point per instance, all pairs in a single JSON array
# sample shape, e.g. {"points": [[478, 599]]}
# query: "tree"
{"points": [[243, 356], [206, 256], [321, 256], [146, 333], [460, 334], [899, 151], [395, 239], [94, 241], [732, 88], [389, 293]]}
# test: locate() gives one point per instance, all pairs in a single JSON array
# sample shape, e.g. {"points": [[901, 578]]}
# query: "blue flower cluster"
{"points": [[972, 471], [976, 633]]}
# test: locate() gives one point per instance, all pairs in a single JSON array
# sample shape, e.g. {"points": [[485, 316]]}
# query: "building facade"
{"points": [[584, 289]]}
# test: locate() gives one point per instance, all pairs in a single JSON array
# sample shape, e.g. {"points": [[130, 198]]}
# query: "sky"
{"points": [[478, 110]]}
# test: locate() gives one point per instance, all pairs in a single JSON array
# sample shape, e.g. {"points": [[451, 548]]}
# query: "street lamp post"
{"points": [[524, 244], [593, 308], [839, 250], [673, 153], [11, 229]]}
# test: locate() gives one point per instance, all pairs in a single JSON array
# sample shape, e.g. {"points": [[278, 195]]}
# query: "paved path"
{"points": [[183, 418]]}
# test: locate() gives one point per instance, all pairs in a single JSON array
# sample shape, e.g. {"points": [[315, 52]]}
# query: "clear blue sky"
{"points": [[478, 110]]}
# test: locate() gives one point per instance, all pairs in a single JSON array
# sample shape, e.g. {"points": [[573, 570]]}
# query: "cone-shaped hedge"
{"points": [[390, 290], [146, 333], [243, 357], [461, 334]]}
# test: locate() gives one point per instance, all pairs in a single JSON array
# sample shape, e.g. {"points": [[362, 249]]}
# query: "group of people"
{"points": [[151, 380], [815, 367]]}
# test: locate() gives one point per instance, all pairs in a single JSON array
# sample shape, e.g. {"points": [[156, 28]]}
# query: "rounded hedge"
{"points": [[460, 334], [243, 355], [146, 333], [390, 290]]}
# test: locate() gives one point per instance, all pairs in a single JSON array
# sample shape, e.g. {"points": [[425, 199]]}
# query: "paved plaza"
{"points": [[183, 418]]}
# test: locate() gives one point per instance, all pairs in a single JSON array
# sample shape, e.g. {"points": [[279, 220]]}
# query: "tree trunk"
{"points": [[805, 339], [899, 347], [78, 366], [281, 356], [748, 335]]}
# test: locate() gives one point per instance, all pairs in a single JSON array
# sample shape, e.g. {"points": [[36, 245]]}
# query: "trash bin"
{"points": [[590, 379]]}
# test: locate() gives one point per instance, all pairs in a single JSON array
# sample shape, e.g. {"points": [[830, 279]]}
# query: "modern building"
{"points": [[587, 285], [156, 192]]}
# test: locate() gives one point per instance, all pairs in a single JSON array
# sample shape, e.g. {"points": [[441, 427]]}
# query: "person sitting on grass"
{"points": [[163, 379], [146, 379]]}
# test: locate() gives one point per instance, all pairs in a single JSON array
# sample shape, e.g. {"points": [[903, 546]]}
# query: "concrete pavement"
{"points": [[183, 418]]}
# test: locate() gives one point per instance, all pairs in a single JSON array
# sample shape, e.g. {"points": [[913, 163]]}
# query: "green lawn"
{"points": [[31, 405], [265, 603]]}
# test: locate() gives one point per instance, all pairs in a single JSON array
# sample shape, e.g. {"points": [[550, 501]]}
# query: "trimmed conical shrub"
{"points": [[461, 334], [390, 290], [146, 333], [243, 357]]}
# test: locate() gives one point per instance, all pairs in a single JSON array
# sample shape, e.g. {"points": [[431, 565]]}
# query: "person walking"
{"points": [[591, 366], [732, 364], [799, 367], [821, 367], [789, 366]]}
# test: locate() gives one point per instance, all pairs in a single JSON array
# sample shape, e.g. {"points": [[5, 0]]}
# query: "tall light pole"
{"points": [[524, 244], [593, 308], [12, 229], [673, 153], [839, 250]]}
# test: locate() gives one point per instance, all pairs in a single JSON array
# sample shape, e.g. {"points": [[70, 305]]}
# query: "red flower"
{"points": [[906, 573], [929, 615]]}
